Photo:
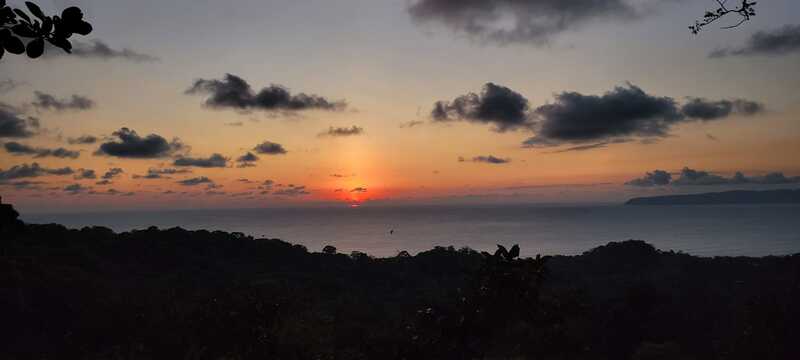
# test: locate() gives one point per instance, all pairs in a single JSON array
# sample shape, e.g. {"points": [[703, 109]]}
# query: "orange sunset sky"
{"points": [[569, 115]]}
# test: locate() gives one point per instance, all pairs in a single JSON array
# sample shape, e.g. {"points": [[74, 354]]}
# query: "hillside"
{"points": [[721, 198]]}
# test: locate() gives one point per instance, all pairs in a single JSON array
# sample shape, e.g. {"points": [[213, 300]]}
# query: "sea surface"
{"points": [[714, 230]]}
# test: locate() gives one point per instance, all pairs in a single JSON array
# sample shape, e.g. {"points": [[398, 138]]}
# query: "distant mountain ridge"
{"points": [[785, 196]]}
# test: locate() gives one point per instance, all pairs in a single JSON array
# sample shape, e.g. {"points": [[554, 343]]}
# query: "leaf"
{"points": [[72, 14], [514, 253], [14, 45], [35, 48], [47, 26], [35, 10], [22, 14], [23, 30], [83, 28], [62, 43], [6, 13], [501, 251]]}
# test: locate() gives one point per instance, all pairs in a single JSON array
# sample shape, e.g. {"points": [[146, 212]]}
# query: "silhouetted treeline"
{"points": [[178, 294], [783, 196]]}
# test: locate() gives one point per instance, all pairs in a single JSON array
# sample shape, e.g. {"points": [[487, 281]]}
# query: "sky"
{"points": [[246, 103]]}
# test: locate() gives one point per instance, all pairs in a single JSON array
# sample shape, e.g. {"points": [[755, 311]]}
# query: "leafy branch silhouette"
{"points": [[16, 25], [745, 11]]}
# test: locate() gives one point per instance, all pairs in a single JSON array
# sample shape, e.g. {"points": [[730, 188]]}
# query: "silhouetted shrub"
{"points": [[16, 26]]}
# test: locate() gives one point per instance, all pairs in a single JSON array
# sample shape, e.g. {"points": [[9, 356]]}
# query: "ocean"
{"points": [[715, 230]]}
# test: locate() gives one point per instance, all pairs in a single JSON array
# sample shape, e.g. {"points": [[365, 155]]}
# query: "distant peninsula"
{"points": [[786, 196]]}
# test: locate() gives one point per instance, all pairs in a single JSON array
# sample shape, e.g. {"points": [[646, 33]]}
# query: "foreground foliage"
{"points": [[177, 294]]}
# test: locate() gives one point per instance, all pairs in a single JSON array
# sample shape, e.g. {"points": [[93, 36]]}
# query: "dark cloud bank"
{"points": [[625, 112], [496, 105], [586, 122], [523, 21], [777, 42], [694, 177], [233, 92], [131, 145]]}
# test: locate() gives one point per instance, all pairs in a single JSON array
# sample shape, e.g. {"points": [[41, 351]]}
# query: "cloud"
{"points": [[247, 160], [624, 111], [16, 148], [112, 173], [270, 148], [159, 173], [702, 109], [496, 105], [23, 185], [235, 124], [82, 140], [266, 186], [534, 22], [112, 192], [697, 177], [622, 115], [75, 189], [692, 177], [587, 147], [8, 85], [32, 170], [131, 145], [777, 42], [411, 124], [85, 174], [359, 190], [489, 159], [196, 181], [291, 191], [46, 101], [14, 125], [655, 178], [213, 161], [342, 131], [97, 49], [233, 92], [104, 182]]}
